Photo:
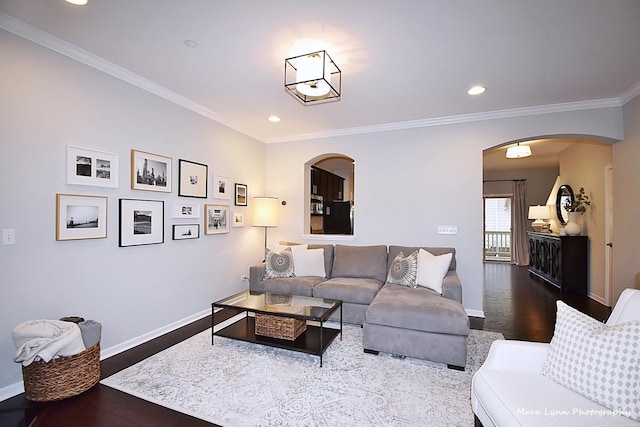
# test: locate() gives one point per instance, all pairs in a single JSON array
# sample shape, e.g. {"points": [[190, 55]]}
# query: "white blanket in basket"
{"points": [[46, 339]]}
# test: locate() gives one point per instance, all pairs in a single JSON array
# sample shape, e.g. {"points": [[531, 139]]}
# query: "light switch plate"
{"points": [[447, 229], [9, 236]]}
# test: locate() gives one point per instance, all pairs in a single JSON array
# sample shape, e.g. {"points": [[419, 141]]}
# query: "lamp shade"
{"points": [[518, 151], [265, 212], [539, 212], [314, 74]]}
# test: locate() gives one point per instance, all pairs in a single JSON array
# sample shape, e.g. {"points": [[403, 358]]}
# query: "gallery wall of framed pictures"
{"points": [[141, 221]]}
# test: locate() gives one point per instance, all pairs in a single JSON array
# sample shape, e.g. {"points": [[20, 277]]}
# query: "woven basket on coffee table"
{"points": [[63, 376]]}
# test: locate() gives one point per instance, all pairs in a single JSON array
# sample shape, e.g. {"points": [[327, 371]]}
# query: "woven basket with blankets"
{"points": [[60, 358]]}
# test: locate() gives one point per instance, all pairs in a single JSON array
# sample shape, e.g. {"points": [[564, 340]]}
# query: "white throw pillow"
{"points": [[599, 362], [294, 249], [432, 269], [309, 262]]}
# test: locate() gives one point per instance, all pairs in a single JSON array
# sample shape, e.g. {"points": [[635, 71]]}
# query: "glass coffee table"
{"points": [[291, 322]]}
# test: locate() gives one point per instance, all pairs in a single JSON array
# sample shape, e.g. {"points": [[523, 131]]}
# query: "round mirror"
{"points": [[564, 196]]}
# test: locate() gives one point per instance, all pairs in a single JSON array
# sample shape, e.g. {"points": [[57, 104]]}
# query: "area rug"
{"points": [[234, 383]]}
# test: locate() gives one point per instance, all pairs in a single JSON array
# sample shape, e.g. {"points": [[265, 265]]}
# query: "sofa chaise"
{"points": [[400, 320]]}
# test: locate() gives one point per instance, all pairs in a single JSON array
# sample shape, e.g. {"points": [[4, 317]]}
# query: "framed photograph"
{"points": [[241, 195], [91, 167], [221, 188], [80, 217], [216, 219], [192, 181], [150, 172], [238, 219], [186, 231], [186, 210], [141, 222]]}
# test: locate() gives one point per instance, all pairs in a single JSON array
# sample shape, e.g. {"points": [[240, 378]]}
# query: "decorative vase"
{"points": [[573, 228]]}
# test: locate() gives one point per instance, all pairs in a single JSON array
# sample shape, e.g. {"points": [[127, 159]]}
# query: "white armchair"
{"points": [[510, 390]]}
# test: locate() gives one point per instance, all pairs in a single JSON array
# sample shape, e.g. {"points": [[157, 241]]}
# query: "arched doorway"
{"points": [[581, 162], [329, 195]]}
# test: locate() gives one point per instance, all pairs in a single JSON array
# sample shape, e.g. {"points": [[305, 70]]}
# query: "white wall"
{"points": [[626, 201], [49, 101], [407, 182]]}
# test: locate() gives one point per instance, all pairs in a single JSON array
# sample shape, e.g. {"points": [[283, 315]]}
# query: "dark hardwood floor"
{"points": [[518, 306]]}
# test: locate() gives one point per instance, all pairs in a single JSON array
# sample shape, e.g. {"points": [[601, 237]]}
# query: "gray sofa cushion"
{"points": [[348, 289], [290, 285], [395, 250], [419, 309], [361, 261]]}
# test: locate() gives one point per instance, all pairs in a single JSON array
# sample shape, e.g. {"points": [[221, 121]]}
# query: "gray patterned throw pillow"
{"points": [[403, 270], [278, 265], [599, 362]]}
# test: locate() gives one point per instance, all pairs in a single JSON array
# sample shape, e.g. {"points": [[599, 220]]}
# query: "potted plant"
{"points": [[577, 206]]}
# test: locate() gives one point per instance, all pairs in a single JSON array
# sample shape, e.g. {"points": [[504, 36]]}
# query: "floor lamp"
{"points": [[265, 214]]}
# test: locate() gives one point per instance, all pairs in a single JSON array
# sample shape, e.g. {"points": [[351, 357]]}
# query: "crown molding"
{"points": [[457, 119], [76, 53], [49, 41], [630, 93]]}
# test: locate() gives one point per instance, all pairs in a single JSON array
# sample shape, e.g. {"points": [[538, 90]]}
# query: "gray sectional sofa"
{"points": [[400, 320]]}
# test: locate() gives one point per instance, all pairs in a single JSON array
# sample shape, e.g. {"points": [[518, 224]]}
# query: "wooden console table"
{"points": [[560, 260]]}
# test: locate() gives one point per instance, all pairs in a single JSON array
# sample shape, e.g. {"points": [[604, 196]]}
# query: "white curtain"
{"points": [[520, 238]]}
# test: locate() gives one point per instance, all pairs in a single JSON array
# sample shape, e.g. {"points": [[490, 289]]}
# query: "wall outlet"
{"points": [[447, 229], [243, 278]]}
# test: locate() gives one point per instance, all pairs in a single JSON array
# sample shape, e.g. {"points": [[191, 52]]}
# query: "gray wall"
{"points": [[49, 101], [406, 183]]}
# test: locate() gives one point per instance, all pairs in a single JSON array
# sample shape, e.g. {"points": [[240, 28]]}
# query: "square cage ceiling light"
{"points": [[313, 78]]}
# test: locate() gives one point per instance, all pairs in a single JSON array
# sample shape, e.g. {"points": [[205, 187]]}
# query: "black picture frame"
{"points": [[192, 179], [242, 194], [141, 222]]}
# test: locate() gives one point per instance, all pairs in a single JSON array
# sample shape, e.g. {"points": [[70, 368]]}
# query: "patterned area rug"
{"points": [[233, 383]]}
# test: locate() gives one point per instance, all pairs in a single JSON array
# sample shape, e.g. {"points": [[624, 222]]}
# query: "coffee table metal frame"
{"points": [[315, 340]]}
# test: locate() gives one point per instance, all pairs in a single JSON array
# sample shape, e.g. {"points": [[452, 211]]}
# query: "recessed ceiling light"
{"points": [[274, 119], [477, 90], [191, 44], [77, 2]]}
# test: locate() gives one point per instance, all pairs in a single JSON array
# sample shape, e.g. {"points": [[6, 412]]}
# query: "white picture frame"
{"points": [[221, 187], [186, 210], [216, 219], [237, 220], [86, 166]]}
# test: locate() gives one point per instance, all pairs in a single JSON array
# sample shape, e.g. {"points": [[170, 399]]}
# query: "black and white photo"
{"points": [[192, 180], [91, 167], [141, 222], [216, 219], [150, 172], [80, 217]]}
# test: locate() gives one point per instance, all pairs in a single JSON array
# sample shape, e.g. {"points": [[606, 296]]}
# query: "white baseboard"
{"points": [[474, 313], [17, 388], [133, 342], [11, 390]]}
